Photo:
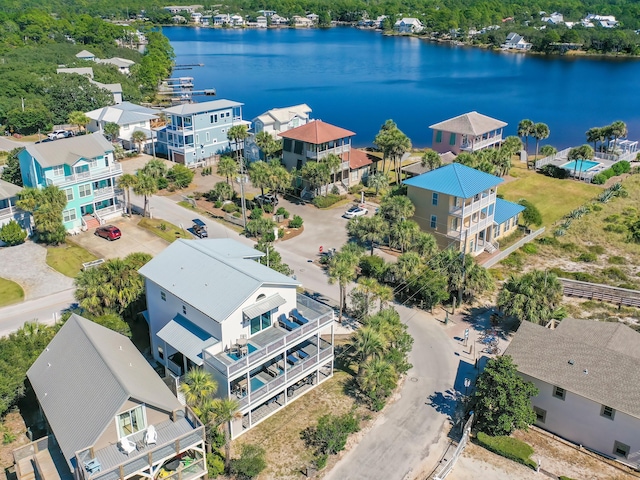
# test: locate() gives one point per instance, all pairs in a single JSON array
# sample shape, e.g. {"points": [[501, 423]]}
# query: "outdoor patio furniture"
{"points": [[273, 370], [151, 436], [292, 359], [92, 466], [286, 324], [298, 318], [302, 354], [127, 446]]}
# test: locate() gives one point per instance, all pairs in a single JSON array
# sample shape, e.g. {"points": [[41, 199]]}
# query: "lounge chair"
{"points": [[302, 354], [127, 446], [286, 324], [273, 370], [298, 318], [151, 436], [292, 359]]}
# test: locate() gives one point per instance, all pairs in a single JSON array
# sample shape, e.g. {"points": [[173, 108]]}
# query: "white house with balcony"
{"points": [[587, 373], [8, 210], [211, 304], [408, 25], [459, 206], [278, 120], [467, 133], [516, 42], [84, 168]]}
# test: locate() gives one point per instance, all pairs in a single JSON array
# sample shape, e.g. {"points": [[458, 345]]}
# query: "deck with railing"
{"points": [[91, 174]]}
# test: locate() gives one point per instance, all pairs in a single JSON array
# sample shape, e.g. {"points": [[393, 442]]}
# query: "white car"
{"points": [[56, 134], [356, 211]]}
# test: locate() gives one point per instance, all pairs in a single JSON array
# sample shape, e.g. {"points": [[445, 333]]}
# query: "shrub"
{"points": [[628, 286], [215, 464], [229, 207], [162, 183], [615, 228], [330, 435], [508, 447], [321, 461], [326, 202], [595, 207], [617, 260], [373, 266], [256, 213], [198, 195], [296, 222], [514, 260], [621, 167], [8, 437], [268, 208], [615, 273], [218, 204], [335, 190], [562, 477], [554, 171], [221, 191], [12, 234], [250, 463], [180, 176], [283, 211], [356, 188], [584, 277], [237, 214], [529, 248], [569, 247], [587, 257], [281, 233], [597, 249], [548, 241]]}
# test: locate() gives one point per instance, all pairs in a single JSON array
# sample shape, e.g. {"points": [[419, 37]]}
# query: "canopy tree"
{"points": [[46, 205], [533, 297]]}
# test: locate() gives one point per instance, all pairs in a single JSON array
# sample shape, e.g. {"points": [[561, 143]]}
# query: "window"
{"points": [[131, 422], [69, 193], [474, 217], [434, 221], [559, 392], [69, 215], [85, 190], [607, 412], [297, 147], [621, 449], [507, 225], [438, 136], [215, 118], [163, 296], [161, 353], [93, 163], [483, 213], [541, 414], [260, 322], [210, 118], [491, 209], [58, 170], [286, 145], [354, 175], [184, 309], [434, 199], [227, 114], [197, 138], [452, 139]]}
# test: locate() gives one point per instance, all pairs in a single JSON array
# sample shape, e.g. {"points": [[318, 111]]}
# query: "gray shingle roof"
{"points": [[8, 190], [191, 108], [472, 123], [612, 375], [214, 276], [69, 150], [84, 378]]}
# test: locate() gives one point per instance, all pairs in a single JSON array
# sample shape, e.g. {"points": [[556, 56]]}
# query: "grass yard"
{"points": [[163, 229], [10, 292], [287, 454], [553, 197], [68, 258]]}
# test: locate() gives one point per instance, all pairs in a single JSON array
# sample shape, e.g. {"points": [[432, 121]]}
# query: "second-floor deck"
{"points": [[471, 205], [337, 150], [472, 146], [91, 174]]}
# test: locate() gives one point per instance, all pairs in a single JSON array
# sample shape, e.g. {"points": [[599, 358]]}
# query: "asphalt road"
{"points": [[44, 309]]}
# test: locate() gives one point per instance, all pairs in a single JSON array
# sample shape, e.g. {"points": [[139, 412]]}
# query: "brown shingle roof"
{"points": [[357, 158], [578, 356], [317, 132]]}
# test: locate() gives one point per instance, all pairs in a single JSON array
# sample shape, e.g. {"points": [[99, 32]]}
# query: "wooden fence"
{"points": [[604, 293]]}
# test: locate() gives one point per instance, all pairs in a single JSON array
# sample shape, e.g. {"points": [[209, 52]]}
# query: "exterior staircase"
{"points": [[91, 222], [490, 248]]}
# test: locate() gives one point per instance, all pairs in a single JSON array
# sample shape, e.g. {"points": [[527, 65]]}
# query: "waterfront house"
{"points": [[278, 120], [130, 118], [301, 22], [108, 414], [183, 8], [222, 19], [467, 133], [237, 20], [8, 210], [605, 21], [278, 20], [261, 21], [555, 18], [360, 163], [196, 132], [85, 55], [516, 42], [313, 17], [84, 168], [122, 64], [408, 25], [459, 206], [211, 304], [587, 373]]}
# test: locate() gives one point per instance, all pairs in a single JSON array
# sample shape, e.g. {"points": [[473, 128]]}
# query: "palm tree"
{"points": [[237, 134], [145, 186], [334, 163], [90, 290], [366, 343], [139, 137], [155, 169], [618, 130], [227, 167], [378, 181], [259, 173], [112, 130], [534, 297], [126, 182], [397, 208], [425, 245], [384, 294], [525, 129], [378, 379], [367, 286], [279, 177], [198, 385], [342, 269], [264, 140], [585, 152], [540, 132], [409, 265], [595, 135], [79, 119], [399, 144], [548, 150], [431, 159], [368, 230], [403, 233], [224, 411]]}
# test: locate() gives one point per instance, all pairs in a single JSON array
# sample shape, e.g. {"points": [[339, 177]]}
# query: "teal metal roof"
{"points": [[455, 179], [505, 210]]}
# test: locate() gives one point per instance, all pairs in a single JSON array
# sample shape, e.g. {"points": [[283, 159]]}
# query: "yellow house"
{"points": [[459, 206]]}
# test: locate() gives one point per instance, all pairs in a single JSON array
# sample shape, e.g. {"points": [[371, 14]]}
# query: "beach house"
{"points": [[587, 373], [467, 133], [459, 206], [84, 168], [108, 414], [211, 304]]}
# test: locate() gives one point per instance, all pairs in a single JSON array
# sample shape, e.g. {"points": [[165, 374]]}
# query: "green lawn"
{"points": [[10, 292], [553, 197], [68, 258], [163, 229]]}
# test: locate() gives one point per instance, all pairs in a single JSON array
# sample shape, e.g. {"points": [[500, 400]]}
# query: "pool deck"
{"points": [[586, 175]]}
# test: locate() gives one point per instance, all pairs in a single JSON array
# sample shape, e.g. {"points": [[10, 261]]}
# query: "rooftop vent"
{"points": [[571, 362]]}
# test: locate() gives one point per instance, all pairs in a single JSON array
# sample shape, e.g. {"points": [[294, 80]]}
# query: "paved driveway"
{"points": [[26, 265], [134, 239]]}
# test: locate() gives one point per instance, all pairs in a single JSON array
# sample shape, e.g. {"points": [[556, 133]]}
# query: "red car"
{"points": [[110, 232]]}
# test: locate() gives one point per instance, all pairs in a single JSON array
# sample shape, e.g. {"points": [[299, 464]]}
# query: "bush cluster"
{"points": [[554, 171], [296, 222], [330, 435], [508, 447], [326, 202], [616, 169], [229, 208]]}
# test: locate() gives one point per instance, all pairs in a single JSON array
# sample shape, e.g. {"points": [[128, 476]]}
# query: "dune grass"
{"points": [[10, 292]]}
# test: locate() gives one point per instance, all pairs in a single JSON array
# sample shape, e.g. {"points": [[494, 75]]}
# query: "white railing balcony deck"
{"points": [[323, 153], [473, 146], [468, 232], [107, 192], [474, 206], [176, 128], [91, 174], [9, 212]]}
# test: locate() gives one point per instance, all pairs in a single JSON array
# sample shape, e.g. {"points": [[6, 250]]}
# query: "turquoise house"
{"points": [[84, 167]]}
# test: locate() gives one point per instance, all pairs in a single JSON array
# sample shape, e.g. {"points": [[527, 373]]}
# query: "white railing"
{"points": [[474, 206], [481, 143], [105, 192], [9, 212], [472, 229], [92, 174], [450, 463], [323, 153], [561, 155]]}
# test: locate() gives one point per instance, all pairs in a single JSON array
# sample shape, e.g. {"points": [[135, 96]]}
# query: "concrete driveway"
{"points": [[133, 239]]}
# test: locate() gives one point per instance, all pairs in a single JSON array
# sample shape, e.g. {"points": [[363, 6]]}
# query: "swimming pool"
{"points": [[580, 165]]}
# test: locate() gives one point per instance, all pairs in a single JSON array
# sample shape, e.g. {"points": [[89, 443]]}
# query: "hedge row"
{"points": [[616, 169], [326, 202], [508, 447]]}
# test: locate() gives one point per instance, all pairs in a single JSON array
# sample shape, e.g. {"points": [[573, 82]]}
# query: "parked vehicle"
{"points": [[355, 211], [267, 198], [199, 228], [56, 134], [110, 232]]}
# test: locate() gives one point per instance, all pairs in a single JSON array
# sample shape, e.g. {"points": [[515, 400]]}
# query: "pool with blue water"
{"points": [[580, 165], [250, 349]]}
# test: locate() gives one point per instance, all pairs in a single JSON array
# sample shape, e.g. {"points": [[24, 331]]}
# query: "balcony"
{"points": [[173, 438], [176, 128], [106, 192], [473, 206], [274, 340], [480, 144], [10, 212], [472, 229], [323, 153], [91, 174]]}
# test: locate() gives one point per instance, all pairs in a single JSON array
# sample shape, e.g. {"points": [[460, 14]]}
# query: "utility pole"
{"points": [[242, 179], [464, 271]]}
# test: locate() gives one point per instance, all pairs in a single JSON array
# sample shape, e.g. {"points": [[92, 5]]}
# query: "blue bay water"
{"points": [[358, 79]]}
